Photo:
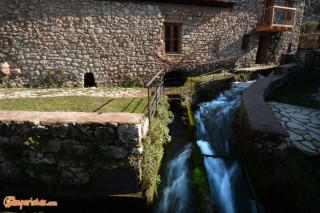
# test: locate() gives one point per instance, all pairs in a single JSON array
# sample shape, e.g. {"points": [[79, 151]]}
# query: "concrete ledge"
{"points": [[261, 117], [71, 117]]}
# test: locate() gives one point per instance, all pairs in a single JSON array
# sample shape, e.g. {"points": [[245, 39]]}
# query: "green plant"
{"points": [[199, 178], [4, 79], [157, 136], [31, 143], [54, 78], [275, 46], [130, 82]]}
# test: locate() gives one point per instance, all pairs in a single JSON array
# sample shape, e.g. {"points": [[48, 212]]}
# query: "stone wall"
{"points": [[119, 41], [72, 149], [263, 140]]}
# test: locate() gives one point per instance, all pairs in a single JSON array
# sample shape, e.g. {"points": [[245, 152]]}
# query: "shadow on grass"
{"points": [[103, 105]]}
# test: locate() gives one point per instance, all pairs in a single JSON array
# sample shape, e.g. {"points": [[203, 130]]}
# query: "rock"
{"points": [[295, 137], [17, 140], [77, 134], [51, 146], [317, 131], [295, 126], [104, 134], [41, 131], [137, 150], [4, 140], [5, 68], [315, 121], [145, 127], [296, 115], [48, 160], [306, 147], [79, 150], [16, 71], [130, 134], [60, 131], [114, 152], [314, 135], [8, 171]]}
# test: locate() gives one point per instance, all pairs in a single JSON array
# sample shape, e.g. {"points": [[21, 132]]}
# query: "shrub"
{"points": [[157, 136]]}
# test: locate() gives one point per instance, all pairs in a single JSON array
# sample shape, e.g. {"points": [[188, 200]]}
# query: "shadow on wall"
{"points": [[89, 80], [175, 78]]}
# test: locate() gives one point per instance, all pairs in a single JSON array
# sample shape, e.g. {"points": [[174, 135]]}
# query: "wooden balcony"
{"points": [[277, 19]]}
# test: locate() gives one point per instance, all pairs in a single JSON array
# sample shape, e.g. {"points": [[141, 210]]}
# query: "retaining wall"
{"points": [[100, 151]]}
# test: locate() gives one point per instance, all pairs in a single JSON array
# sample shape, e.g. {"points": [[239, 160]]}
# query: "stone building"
{"points": [[116, 42]]}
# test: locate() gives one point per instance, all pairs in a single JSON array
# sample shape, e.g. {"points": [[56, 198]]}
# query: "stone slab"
{"points": [[71, 117]]}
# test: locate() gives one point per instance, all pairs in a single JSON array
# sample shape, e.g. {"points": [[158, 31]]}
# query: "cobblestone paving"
{"points": [[58, 92], [302, 124]]}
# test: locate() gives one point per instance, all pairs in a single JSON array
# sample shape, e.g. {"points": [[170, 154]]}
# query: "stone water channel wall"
{"points": [[100, 151], [262, 138], [121, 42]]}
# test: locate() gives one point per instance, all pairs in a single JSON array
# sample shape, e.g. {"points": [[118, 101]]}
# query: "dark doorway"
{"points": [[264, 42], [175, 78], [89, 80]]}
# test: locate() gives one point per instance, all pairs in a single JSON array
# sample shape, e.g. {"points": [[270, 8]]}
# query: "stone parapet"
{"points": [[72, 149]]}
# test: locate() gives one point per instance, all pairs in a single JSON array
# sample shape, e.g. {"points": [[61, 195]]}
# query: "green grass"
{"points": [[298, 95], [76, 104], [191, 83]]}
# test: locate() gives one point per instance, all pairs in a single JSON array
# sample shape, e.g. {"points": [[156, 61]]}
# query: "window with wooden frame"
{"points": [[172, 33]]}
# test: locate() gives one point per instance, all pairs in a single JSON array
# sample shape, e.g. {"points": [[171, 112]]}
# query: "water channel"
{"points": [[216, 137]]}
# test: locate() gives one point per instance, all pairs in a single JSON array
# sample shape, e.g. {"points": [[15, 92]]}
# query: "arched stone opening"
{"points": [[89, 80], [175, 78]]}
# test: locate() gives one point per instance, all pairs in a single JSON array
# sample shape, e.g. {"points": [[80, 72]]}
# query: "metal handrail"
{"points": [[154, 100]]}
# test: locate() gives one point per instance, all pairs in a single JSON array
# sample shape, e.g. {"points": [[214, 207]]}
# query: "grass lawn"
{"points": [[298, 95], [192, 82], [77, 104]]}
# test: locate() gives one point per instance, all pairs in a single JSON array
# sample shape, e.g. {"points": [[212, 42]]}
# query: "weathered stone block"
{"points": [[79, 149], [17, 140], [41, 131], [114, 152], [137, 150], [104, 134], [60, 131], [130, 134], [51, 146], [4, 140], [78, 134]]}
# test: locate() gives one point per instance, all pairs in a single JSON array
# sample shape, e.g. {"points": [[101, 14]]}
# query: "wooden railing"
{"points": [[277, 19]]}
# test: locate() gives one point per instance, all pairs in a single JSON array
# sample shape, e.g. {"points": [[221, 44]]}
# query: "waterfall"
{"points": [[176, 194], [216, 135]]}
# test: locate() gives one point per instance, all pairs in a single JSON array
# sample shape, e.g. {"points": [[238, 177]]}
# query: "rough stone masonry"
{"points": [[121, 41], [72, 148]]}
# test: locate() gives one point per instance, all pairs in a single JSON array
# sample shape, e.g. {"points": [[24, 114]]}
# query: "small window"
{"points": [[245, 42], [172, 38]]}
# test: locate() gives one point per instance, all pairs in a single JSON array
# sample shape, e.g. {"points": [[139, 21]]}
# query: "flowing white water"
{"points": [[176, 195], [216, 135]]}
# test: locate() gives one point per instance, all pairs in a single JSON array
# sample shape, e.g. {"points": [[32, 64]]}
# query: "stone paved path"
{"points": [[58, 92], [302, 124]]}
